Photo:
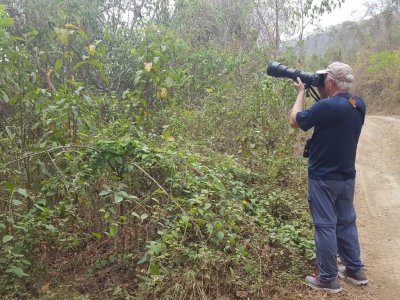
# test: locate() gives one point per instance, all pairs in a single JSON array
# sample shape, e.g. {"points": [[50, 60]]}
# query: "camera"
{"points": [[306, 151], [278, 70]]}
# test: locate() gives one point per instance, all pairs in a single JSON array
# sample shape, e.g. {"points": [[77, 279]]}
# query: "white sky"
{"points": [[351, 10]]}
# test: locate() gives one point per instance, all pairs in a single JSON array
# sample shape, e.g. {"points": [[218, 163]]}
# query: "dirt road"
{"points": [[378, 206], [377, 202]]}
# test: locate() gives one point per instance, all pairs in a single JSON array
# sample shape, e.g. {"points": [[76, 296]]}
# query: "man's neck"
{"points": [[338, 91]]}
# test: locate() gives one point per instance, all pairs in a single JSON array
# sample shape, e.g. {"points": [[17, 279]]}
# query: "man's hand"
{"points": [[299, 104], [299, 86]]}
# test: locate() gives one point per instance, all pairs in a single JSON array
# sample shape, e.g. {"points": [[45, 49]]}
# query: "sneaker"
{"points": [[357, 277], [331, 286]]}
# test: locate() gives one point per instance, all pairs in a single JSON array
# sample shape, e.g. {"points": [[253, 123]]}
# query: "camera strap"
{"points": [[353, 103], [311, 92]]}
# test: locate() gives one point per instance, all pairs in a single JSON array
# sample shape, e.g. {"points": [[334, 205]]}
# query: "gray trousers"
{"points": [[334, 218]]}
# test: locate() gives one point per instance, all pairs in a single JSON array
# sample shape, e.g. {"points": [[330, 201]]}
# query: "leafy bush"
{"points": [[176, 177], [378, 80]]}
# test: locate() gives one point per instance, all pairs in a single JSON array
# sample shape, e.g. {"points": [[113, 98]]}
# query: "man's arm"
{"points": [[299, 103]]}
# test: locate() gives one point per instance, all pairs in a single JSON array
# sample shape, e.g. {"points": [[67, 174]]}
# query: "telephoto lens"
{"points": [[278, 70]]}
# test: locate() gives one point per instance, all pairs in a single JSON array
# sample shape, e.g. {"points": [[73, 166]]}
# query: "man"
{"points": [[337, 120]]}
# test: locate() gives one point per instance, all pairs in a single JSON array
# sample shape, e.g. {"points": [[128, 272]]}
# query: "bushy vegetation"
{"points": [[379, 77], [137, 166]]}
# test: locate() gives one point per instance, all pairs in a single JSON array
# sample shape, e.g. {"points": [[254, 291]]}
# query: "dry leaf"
{"points": [[162, 93], [148, 66], [92, 49], [171, 139], [71, 26], [242, 294], [46, 288]]}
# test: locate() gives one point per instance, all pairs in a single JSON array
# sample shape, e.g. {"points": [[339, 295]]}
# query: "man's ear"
{"points": [[333, 83]]}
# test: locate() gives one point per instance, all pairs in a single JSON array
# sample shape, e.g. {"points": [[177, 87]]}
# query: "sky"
{"points": [[351, 10]]}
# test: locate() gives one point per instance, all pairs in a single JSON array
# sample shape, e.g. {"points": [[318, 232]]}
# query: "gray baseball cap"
{"points": [[339, 71]]}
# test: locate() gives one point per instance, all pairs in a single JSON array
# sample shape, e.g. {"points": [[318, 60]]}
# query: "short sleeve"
{"points": [[310, 117]]}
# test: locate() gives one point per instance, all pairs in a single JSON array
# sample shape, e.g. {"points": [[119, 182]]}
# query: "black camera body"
{"points": [[306, 151], [279, 70]]}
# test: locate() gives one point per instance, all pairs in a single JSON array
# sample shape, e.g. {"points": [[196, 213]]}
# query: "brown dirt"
{"points": [[378, 205], [377, 202]]}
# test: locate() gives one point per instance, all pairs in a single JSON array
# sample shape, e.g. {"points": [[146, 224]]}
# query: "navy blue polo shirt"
{"points": [[337, 127]]}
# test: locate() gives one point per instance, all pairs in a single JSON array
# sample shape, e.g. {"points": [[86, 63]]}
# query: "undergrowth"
{"points": [[172, 222], [182, 183]]}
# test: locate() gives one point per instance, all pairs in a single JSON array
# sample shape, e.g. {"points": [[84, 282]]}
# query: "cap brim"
{"points": [[322, 72]]}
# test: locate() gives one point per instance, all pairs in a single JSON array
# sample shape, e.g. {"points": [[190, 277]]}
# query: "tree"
{"points": [[220, 22], [306, 13], [387, 12], [288, 18], [271, 20]]}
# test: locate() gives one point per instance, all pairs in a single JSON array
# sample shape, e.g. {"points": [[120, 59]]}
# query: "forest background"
{"points": [[145, 154]]}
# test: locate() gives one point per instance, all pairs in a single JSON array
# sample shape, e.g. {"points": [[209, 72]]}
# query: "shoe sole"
{"points": [[335, 291], [352, 280]]}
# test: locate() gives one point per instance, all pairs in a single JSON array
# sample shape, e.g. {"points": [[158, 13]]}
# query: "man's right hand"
{"points": [[298, 104], [299, 86]]}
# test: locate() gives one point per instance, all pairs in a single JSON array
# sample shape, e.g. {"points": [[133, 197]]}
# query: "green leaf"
{"points": [[88, 99], [144, 216], [113, 231], [249, 268], [103, 193], [154, 269], [5, 98], [62, 35], [155, 248], [220, 235], [118, 198], [16, 202], [17, 271], [125, 93], [50, 227], [7, 238], [142, 260], [58, 65], [169, 82], [39, 207], [75, 242], [185, 219], [5, 21], [97, 235], [22, 192], [9, 186], [2, 226], [135, 215], [220, 186], [10, 134]]}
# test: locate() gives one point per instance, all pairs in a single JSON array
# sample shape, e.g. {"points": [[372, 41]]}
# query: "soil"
{"points": [[378, 205], [377, 202]]}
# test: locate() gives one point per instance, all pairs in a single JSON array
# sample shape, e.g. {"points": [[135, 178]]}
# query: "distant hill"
{"points": [[343, 41]]}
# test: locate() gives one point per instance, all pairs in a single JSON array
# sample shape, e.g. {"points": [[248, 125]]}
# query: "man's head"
{"points": [[338, 77]]}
